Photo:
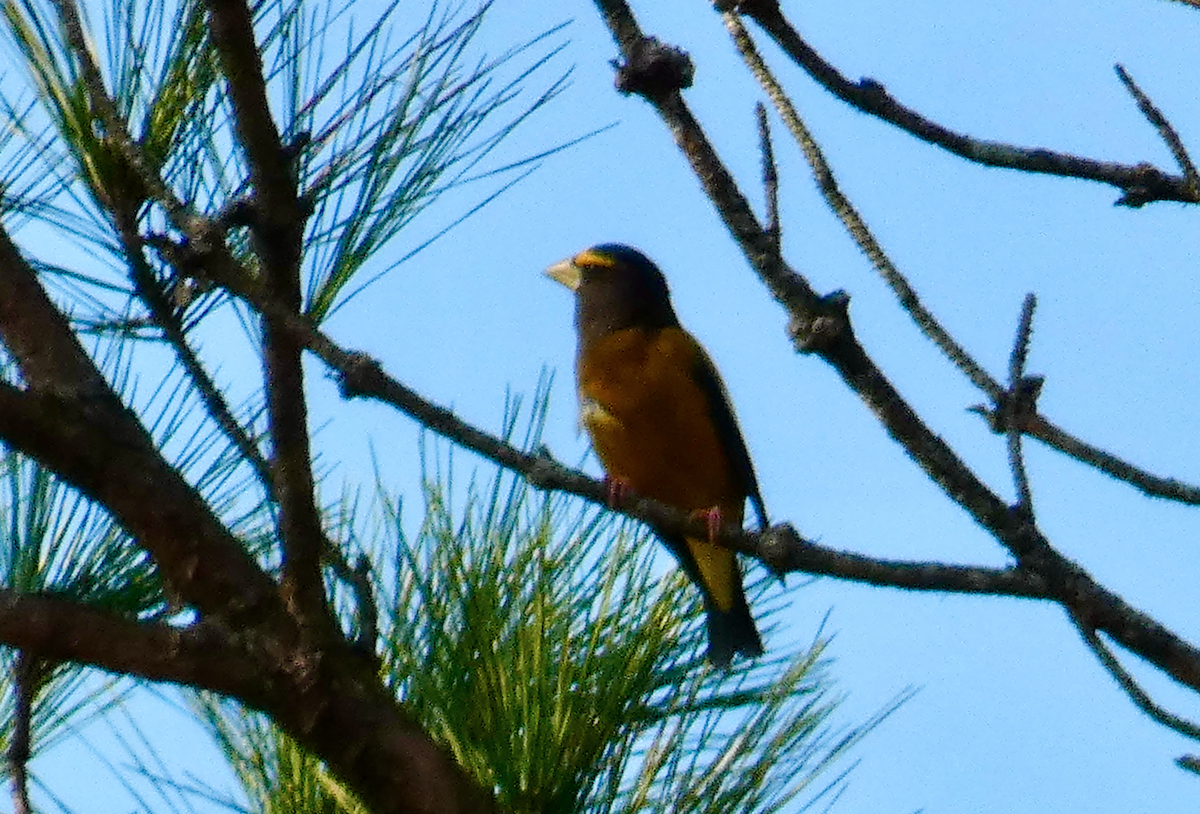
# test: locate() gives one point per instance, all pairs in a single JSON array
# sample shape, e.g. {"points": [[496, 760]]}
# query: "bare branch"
{"points": [[1140, 698], [808, 557], [770, 178], [1016, 377], [1055, 437], [1141, 183], [780, 547], [849, 216], [1164, 128]]}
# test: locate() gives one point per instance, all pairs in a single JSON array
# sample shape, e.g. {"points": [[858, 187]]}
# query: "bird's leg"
{"points": [[618, 490], [712, 516]]}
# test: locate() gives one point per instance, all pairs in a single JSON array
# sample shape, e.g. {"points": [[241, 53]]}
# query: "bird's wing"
{"points": [[721, 410]]}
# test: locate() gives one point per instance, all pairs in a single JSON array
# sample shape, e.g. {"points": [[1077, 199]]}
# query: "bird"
{"points": [[662, 425]]}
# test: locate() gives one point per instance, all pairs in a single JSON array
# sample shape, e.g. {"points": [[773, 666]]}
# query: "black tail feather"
{"points": [[730, 632]]}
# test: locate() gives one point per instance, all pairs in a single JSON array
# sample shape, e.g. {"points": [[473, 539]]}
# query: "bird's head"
{"points": [[616, 287]]}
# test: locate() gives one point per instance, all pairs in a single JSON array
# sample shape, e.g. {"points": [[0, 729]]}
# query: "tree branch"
{"points": [[1039, 427], [124, 203], [40, 339], [1028, 390], [808, 557], [1165, 130], [171, 324], [106, 454], [1140, 183], [278, 230], [24, 687], [780, 547], [1016, 385], [76, 425], [200, 655], [73, 422], [1140, 698], [327, 698], [336, 708]]}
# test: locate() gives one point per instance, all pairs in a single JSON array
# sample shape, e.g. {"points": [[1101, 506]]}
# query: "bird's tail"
{"points": [[730, 632]]}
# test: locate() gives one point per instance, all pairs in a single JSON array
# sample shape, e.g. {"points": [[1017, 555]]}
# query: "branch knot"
{"points": [[815, 330], [653, 69], [361, 377]]}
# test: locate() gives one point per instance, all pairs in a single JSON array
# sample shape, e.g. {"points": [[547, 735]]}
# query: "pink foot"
{"points": [[712, 516], [618, 490]]}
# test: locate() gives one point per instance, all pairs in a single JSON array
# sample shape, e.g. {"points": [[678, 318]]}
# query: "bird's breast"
{"points": [[650, 421]]}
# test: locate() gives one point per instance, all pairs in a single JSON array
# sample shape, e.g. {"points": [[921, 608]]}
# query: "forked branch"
{"points": [[1140, 184]]}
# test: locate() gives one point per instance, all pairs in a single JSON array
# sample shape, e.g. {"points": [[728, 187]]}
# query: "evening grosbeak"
{"points": [[661, 423]]}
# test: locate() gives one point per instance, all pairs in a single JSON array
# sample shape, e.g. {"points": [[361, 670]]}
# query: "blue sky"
{"points": [[1012, 713]]}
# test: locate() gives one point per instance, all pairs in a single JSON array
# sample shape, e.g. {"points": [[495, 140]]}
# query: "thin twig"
{"points": [[1164, 128], [1016, 390], [1140, 698], [170, 323], [1140, 183], [357, 578], [24, 674], [770, 176], [1150, 484], [1020, 351], [850, 217]]}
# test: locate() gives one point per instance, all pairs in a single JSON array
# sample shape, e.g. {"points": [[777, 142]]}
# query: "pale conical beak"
{"points": [[566, 272]]}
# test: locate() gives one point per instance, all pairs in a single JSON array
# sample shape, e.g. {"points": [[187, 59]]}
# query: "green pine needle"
{"points": [[538, 640]]}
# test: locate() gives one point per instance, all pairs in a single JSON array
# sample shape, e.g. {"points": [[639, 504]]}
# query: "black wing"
{"points": [[728, 431]]}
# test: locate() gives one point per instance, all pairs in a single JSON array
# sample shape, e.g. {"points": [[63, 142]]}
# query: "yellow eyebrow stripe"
{"points": [[595, 259]]}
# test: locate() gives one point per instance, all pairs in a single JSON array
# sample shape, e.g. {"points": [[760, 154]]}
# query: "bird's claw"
{"points": [[712, 517], [618, 490]]}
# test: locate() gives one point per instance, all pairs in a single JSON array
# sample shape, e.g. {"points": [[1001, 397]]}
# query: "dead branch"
{"points": [[1140, 184]]}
